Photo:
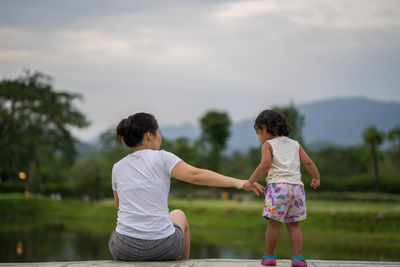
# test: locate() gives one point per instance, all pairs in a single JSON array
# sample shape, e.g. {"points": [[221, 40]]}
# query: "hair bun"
{"points": [[132, 129], [124, 127]]}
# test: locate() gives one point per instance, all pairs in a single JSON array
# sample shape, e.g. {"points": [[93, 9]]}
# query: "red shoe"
{"points": [[269, 260], [298, 261]]}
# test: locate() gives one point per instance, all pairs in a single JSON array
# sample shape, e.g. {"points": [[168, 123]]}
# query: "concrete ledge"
{"points": [[201, 263]]}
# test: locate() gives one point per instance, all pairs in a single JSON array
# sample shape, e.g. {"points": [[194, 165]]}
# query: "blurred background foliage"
{"points": [[39, 155]]}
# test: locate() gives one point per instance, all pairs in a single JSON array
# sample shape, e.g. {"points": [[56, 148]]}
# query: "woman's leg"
{"points": [[296, 238], [272, 236], [178, 217]]}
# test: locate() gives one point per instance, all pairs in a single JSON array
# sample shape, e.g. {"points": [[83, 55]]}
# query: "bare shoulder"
{"points": [[267, 145]]}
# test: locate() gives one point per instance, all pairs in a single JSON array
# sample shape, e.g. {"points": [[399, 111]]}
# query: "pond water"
{"points": [[55, 243]]}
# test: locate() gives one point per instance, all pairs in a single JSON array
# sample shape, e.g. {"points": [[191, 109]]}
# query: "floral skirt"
{"points": [[285, 202]]}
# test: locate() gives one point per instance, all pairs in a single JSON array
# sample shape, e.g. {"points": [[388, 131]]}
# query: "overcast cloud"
{"points": [[177, 59]]}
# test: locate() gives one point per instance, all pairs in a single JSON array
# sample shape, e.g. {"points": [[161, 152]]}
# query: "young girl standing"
{"points": [[284, 193]]}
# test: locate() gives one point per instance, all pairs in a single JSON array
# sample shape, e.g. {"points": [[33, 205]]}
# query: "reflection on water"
{"points": [[55, 243], [212, 251], [52, 245], [20, 248]]}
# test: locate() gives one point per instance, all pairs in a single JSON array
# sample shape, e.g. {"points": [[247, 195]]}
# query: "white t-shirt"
{"points": [[142, 182], [285, 165]]}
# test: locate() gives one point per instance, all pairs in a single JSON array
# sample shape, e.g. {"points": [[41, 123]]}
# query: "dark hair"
{"points": [[274, 121], [132, 129]]}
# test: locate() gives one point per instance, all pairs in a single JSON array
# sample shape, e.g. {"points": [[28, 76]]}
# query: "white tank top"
{"points": [[285, 165]]}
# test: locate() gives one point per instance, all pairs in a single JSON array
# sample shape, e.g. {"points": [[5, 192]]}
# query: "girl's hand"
{"points": [[257, 189], [315, 183]]}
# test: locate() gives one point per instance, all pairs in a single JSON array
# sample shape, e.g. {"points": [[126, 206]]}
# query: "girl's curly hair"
{"points": [[274, 121]]}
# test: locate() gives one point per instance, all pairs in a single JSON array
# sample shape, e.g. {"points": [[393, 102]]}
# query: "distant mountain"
{"points": [[83, 148], [187, 130], [339, 121], [342, 121]]}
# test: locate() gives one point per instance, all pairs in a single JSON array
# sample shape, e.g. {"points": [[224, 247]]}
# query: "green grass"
{"points": [[323, 215], [353, 196]]}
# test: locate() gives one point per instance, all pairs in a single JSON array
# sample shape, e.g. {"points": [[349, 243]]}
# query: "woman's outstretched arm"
{"points": [[187, 173]]}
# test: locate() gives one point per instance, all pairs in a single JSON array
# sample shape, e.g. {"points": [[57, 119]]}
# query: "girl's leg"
{"points": [[178, 217], [272, 236], [296, 238]]}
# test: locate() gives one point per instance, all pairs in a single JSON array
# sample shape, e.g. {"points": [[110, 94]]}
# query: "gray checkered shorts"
{"points": [[128, 248]]}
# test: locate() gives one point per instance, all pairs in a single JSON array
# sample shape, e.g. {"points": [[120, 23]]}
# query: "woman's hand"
{"points": [[246, 186], [256, 187]]}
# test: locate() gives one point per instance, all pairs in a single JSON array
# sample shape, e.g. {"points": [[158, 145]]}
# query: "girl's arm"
{"points": [[187, 173], [116, 199], [263, 167], [311, 168]]}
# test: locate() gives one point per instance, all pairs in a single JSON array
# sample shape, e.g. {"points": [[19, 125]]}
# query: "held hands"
{"points": [[256, 187], [315, 183], [247, 186]]}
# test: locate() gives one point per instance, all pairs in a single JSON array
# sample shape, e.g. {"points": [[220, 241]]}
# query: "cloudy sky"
{"points": [[178, 59]]}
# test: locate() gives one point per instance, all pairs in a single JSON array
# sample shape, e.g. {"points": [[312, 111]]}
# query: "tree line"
{"points": [[38, 152]]}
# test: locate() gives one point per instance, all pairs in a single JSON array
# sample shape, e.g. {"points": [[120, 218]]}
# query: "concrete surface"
{"points": [[201, 263]]}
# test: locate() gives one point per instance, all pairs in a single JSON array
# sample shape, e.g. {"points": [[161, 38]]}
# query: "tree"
{"points": [[215, 133], [183, 148], [394, 151], [35, 123], [91, 175], [394, 135], [295, 119], [339, 161], [374, 138]]}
